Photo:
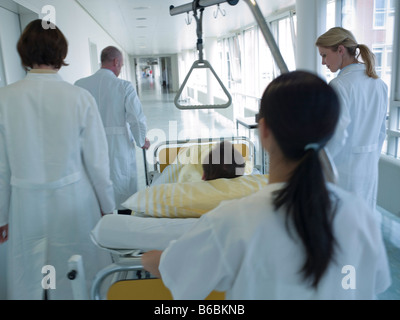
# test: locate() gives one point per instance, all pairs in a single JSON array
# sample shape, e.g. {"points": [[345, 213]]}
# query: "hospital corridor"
{"points": [[219, 150]]}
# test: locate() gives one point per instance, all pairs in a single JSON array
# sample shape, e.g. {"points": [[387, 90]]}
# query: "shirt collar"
{"points": [[351, 67], [43, 71], [105, 70], [47, 76]]}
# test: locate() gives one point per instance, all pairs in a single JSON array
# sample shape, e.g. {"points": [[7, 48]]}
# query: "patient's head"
{"points": [[224, 161]]}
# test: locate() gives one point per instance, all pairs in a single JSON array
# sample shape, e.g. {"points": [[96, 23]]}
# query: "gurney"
{"points": [[159, 218], [151, 227]]}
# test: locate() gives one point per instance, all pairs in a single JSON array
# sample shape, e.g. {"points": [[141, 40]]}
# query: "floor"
{"points": [[166, 122]]}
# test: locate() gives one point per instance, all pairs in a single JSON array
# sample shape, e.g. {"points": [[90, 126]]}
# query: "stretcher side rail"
{"points": [[200, 141], [131, 264]]}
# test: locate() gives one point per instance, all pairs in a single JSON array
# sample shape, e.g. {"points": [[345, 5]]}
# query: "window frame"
{"points": [[382, 12]]}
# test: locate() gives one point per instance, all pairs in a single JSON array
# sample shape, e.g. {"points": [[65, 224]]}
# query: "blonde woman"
{"points": [[358, 141]]}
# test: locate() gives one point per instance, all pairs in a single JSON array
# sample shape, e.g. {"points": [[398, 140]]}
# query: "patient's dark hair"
{"points": [[224, 161], [302, 112], [39, 45]]}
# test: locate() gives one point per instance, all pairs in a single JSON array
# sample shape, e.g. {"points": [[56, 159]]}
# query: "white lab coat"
{"points": [[124, 121], [54, 178], [357, 144], [244, 249]]}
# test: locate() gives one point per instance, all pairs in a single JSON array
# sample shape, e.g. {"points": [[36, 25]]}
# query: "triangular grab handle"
{"points": [[202, 64]]}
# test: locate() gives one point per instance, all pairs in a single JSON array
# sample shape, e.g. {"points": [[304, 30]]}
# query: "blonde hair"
{"points": [[338, 36]]}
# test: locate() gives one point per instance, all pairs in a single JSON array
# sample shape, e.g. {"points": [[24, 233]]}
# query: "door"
{"points": [[10, 31]]}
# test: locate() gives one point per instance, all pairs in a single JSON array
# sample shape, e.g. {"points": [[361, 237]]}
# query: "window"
{"points": [[379, 14], [267, 69], [287, 40], [331, 14], [398, 117], [331, 21], [383, 10], [383, 60], [250, 60], [398, 148], [228, 66], [349, 13], [248, 65]]}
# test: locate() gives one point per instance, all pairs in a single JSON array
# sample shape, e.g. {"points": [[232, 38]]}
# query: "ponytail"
{"points": [[309, 208], [369, 60]]}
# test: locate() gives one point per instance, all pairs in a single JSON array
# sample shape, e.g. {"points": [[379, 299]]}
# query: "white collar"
{"points": [[352, 67]]}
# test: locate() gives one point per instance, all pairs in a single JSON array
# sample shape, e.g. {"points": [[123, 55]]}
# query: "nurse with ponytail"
{"points": [[296, 238]]}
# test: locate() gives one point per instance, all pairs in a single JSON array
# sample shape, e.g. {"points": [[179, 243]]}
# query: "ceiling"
{"points": [[146, 28]]}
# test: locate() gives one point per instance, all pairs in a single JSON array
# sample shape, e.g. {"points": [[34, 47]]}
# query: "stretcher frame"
{"points": [[145, 287], [120, 268]]}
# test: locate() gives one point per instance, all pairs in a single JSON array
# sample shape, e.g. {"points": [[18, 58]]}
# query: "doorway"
{"points": [[13, 19]]}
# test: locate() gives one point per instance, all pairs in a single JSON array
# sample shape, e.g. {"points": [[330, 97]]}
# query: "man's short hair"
{"points": [[41, 46], [109, 54]]}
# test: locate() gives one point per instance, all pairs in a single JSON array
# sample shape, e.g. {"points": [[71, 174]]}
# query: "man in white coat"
{"points": [[123, 119]]}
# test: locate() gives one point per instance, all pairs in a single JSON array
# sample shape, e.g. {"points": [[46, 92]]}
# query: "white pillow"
{"points": [[192, 199]]}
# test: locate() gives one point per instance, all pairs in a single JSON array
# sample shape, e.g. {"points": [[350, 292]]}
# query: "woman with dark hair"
{"points": [[223, 162], [54, 172], [298, 238]]}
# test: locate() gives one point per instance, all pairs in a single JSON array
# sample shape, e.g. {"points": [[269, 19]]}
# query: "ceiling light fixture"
{"points": [[141, 8]]}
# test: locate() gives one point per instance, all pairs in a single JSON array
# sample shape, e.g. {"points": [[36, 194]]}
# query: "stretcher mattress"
{"points": [[126, 234]]}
